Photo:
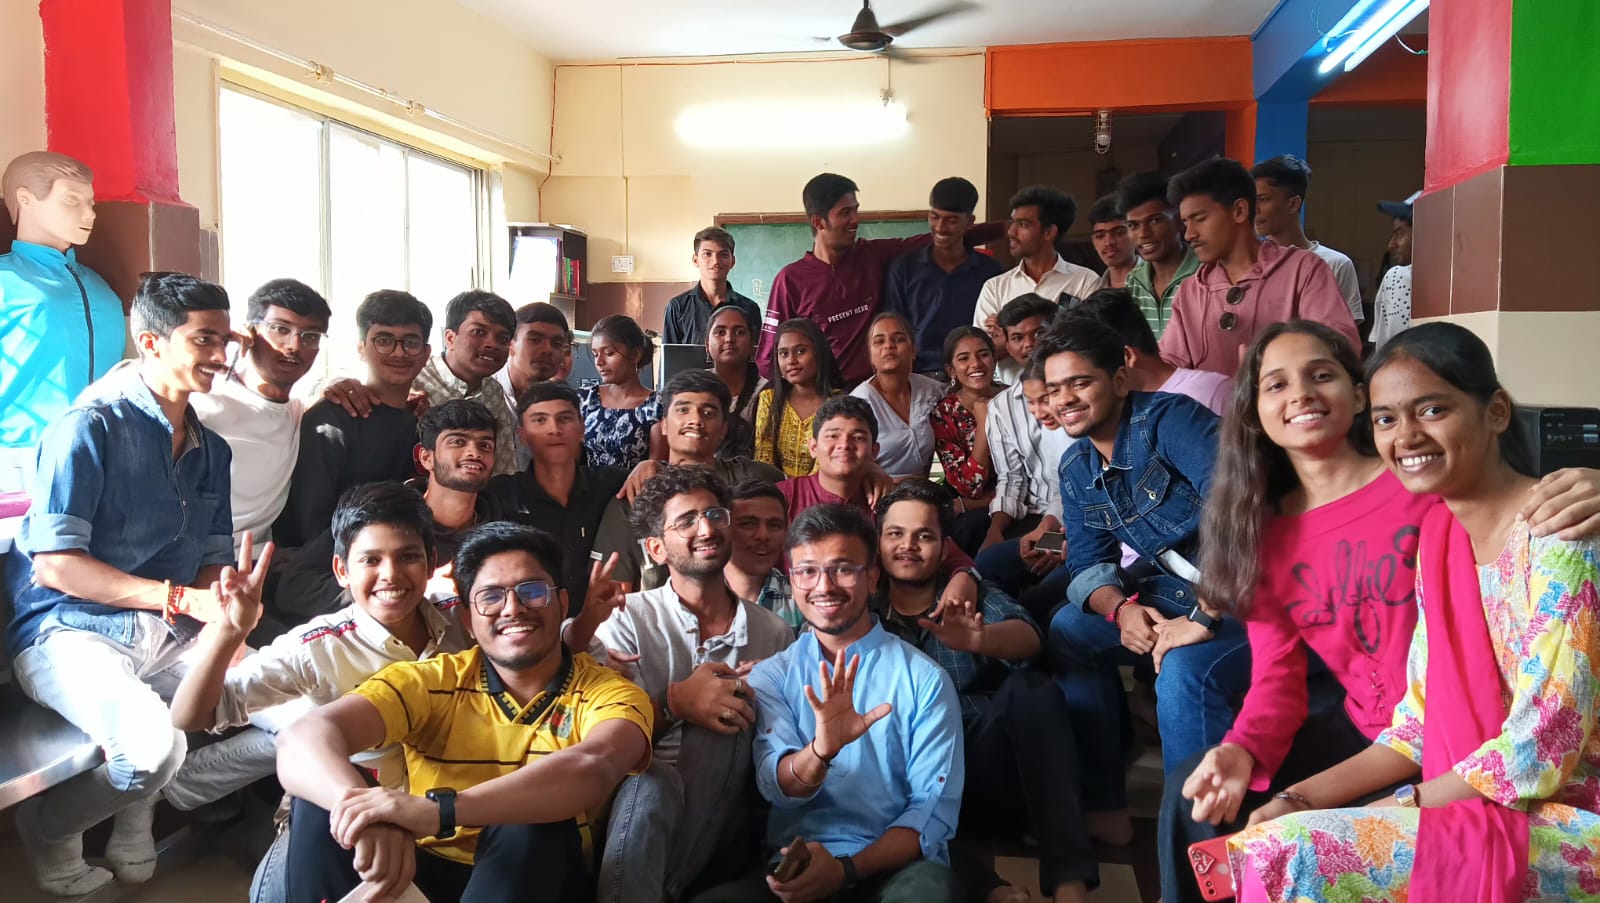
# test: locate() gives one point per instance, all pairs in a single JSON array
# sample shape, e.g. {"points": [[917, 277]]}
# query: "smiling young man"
{"points": [[509, 745], [1136, 474], [1164, 261], [251, 408], [1281, 186], [1040, 217], [696, 414], [383, 558], [838, 284], [689, 314], [689, 644], [1108, 232], [339, 450], [876, 804], [1020, 754], [478, 327], [110, 576], [1243, 284], [755, 570], [539, 350], [936, 288]]}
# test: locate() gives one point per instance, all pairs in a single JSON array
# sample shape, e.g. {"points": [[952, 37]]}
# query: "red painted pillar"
{"points": [[108, 102]]}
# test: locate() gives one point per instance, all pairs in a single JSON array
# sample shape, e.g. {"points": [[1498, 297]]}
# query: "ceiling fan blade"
{"points": [[900, 28], [899, 55]]}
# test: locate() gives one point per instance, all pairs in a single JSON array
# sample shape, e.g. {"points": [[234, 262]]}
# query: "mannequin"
{"points": [[61, 326]]}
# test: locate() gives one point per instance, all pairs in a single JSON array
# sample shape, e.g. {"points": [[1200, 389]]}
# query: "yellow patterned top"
{"points": [[793, 452]]}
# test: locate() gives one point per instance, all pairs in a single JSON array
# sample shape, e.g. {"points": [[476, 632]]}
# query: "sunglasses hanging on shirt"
{"points": [[1229, 319]]}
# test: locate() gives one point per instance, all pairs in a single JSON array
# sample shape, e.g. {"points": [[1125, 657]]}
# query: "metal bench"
{"points": [[38, 748]]}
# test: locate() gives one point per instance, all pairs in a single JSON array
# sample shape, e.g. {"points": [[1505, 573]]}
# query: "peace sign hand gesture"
{"points": [[238, 590], [838, 722], [604, 596]]}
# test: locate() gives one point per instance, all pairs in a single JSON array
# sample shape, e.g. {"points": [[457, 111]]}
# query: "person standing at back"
{"points": [[1164, 260], [1040, 217], [838, 284], [1243, 285], [936, 288], [1281, 185], [689, 314], [1108, 232], [1391, 309]]}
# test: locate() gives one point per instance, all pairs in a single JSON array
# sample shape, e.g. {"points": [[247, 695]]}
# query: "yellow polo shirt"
{"points": [[459, 727]]}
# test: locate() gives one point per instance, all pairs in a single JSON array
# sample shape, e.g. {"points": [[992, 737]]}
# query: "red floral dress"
{"points": [[955, 431]]}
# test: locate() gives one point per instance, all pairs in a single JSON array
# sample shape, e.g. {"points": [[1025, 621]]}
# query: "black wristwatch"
{"points": [[849, 870], [446, 798], [1198, 615]]}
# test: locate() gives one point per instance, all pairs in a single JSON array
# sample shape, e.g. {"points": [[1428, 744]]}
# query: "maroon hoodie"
{"points": [[1285, 284]]}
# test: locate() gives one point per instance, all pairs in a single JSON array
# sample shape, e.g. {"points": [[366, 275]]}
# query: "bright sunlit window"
{"points": [[344, 211]]}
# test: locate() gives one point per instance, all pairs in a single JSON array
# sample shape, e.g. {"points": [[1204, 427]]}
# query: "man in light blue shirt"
{"points": [[61, 326], [875, 803]]}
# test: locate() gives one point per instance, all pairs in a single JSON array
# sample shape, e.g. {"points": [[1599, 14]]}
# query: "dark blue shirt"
{"points": [[688, 316], [108, 485], [936, 301], [1150, 496]]}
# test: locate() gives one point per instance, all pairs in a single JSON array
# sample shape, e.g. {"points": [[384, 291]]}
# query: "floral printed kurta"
{"points": [[955, 432], [1543, 614]]}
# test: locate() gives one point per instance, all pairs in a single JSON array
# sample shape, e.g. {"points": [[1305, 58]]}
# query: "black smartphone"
{"points": [[1051, 542], [793, 862]]}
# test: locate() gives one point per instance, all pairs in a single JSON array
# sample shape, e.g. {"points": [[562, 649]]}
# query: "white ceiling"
{"points": [[615, 29]]}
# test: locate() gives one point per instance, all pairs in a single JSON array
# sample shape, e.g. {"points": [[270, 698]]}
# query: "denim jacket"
{"points": [[108, 485], [1150, 496]]}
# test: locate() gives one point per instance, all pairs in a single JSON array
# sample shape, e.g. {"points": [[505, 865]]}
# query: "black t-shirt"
{"points": [[338, 451]]}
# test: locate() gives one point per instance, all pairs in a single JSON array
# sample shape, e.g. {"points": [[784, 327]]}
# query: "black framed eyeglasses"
{"points": [[411, 345], [488, 601], [841, 574], [685, 524], [1229, 319]]}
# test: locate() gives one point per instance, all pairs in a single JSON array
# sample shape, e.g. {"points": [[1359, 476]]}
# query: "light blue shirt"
{"points": [[906, 772], [61, 328]]}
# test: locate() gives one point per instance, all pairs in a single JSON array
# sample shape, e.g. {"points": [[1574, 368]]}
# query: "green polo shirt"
{"points": [[1141, 284]]}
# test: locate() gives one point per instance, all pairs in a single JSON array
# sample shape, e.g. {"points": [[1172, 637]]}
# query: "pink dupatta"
{"points": [[1475, 849]]}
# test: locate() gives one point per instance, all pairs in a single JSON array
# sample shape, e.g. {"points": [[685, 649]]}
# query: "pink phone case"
{"points": [[1209, 859]]}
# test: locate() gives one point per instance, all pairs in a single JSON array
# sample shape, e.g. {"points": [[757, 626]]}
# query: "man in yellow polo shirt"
{"points": [[508, 747]]}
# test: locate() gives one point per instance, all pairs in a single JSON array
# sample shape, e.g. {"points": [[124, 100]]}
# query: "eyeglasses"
{"points": [[1229, 319], [533, 594], [281, 332], [411, 345], [718, 518], [842, 575]]}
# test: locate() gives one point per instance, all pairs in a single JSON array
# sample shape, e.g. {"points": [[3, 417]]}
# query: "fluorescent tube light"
{"points": [[1385, 33], [1381, 17], [790, 125]]}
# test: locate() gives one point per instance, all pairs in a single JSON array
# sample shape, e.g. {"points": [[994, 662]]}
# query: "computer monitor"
{"points": [[675, 359], [584, 374]]}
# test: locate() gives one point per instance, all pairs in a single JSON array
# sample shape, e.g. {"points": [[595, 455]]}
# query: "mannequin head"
{"points": [[50, 198]]}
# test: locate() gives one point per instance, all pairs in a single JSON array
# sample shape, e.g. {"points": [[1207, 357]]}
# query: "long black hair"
{"points": [[829, 380], [1252, 474], [1456, 355]]}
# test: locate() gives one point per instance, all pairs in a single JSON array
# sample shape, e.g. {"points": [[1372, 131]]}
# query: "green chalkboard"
{"points": [[763, 249]]}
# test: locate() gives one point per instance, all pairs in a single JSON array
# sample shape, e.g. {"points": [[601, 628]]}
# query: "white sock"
{"points": [[132, 848], [58, 865]]}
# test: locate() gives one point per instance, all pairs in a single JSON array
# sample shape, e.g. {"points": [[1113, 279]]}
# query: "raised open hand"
{"points": [[838, 722], [959, 626]]}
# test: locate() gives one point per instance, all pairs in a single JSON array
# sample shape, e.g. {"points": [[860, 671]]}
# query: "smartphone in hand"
{"points": [[1209, 859], [793, 862], [1051, 542]]}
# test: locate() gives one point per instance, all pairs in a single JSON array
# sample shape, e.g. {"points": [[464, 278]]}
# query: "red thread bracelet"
{"points": [[1116, 612]]}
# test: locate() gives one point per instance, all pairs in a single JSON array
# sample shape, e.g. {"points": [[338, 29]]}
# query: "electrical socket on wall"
{"points": [[622, 263]]}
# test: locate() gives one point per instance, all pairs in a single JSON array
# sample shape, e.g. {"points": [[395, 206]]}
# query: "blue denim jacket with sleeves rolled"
{"points": [[1150, 496], [107, 484]]}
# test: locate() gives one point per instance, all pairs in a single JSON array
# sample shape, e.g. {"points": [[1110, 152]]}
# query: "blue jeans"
{"points": [[1003, 564], [1195, 690]]}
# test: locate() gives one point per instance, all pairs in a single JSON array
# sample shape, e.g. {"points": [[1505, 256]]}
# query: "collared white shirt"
{"points": [[442, 385], [1015, 282], [1026, 458], [325, 658], [655, 626]]}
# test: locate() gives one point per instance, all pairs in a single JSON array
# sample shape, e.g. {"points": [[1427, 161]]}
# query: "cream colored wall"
{"points": [[21, 80], [1543, 358], [626, 179], [440, 55]]}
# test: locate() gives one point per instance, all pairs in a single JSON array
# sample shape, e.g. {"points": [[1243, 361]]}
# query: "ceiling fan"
{"points": [[866, 36]]}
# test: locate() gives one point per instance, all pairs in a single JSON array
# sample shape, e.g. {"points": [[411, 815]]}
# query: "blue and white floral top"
{"points": [[616, 437]]}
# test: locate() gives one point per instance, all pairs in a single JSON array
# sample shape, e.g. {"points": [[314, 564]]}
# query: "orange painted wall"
{"points": [[1125, 76]]}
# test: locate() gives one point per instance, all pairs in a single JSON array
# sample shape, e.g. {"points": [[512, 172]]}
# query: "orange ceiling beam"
{"points": [[1126, 76]]}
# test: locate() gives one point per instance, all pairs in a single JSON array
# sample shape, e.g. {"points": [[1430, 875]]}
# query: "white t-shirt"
{"points": [[265, 438], [905, 449], [1391, 310], [1344, 273]]}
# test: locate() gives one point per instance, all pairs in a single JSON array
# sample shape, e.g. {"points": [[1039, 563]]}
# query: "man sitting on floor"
{"points": [[1021, 761], [689, 644], [876, 807], [508, 746], [111, 575], [755, 570]]}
